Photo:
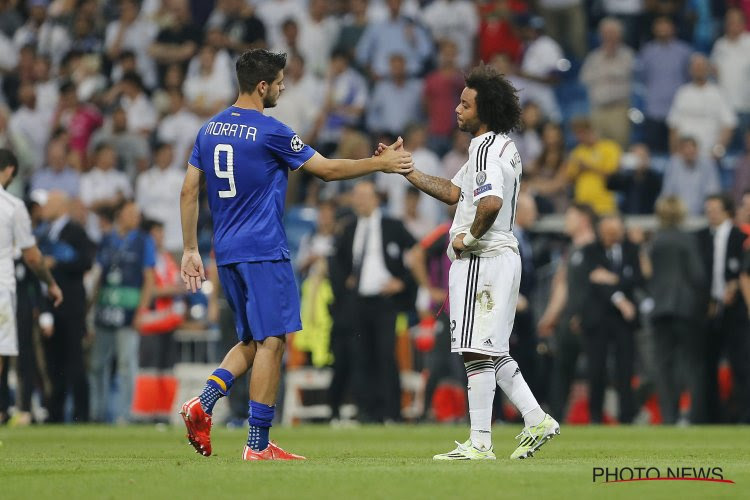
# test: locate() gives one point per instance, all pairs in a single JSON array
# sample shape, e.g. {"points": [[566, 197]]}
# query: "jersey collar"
{"points": [[476, 141]]}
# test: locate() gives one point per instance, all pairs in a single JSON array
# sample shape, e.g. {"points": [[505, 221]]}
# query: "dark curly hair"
{"points": [[497, 99], [258, 65]]}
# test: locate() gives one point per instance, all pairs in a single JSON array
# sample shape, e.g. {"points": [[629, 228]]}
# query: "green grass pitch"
{"points": [[144, 462]]}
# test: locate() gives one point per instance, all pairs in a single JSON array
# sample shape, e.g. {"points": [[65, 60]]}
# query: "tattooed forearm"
{"points": [[437, 187], [487, 211]]}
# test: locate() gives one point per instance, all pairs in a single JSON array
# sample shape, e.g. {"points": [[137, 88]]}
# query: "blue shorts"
{"points": [[263, 297]]}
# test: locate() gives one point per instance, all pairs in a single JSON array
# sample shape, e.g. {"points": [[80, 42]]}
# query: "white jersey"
{"points": [[494, 169], [15, 234]]}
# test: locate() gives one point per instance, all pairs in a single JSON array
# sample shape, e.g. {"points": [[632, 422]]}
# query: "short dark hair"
{"points": [[587, 211], [726, 201], [133, 78], [498, 106], [148, 224], [8, 160], [258, 65]]}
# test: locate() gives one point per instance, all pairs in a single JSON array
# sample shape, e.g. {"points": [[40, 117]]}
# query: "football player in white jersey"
{"points": [[486, 267], [15, 234]]}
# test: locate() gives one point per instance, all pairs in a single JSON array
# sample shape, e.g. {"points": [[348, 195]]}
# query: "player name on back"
{"points": [[240, 131]]}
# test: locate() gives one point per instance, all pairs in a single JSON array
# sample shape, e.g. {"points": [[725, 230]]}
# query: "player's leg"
{"points": [[272, 310], [538, 426], [197, 411], [463, 279]]}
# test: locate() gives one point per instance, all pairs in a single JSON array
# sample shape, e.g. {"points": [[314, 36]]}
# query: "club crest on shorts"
{"points": [[297, 144], [481, 178]]}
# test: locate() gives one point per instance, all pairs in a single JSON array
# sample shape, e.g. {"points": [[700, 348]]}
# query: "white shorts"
{"points": [[483, 294], [8, 332]]}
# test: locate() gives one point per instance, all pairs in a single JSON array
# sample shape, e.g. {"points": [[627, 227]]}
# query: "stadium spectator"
{"points": [[395, 187], [353, 26], [457, 21], [607, 73], [129, 94], [370, 253], [395, 35], [79, 119], [566, 22], [497, 34], [637, 182], [45, 85], [58, 174], [589, 165], [239, 25], [127, 258], [540, 66], [731, 58], [131, 31], [562, 317], [701, 111], [690, 176], [157, 192], [132, 148], [104, 186], [29, 129], [274, 13], [546, 178], [726, 331], [318, 245], [346, 95], [303, 98], [413, 218], [317, 36], [177, 42], [178, 127], [614, 269], [68, 253], [442, 90], [676, 284], [208, 90], [741, 182], [49, 37], [527, 139], [662, 67], [395, 101], [456, 157]]}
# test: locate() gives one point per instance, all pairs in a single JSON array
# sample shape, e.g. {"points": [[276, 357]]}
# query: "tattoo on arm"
{"points": [[487, 211], [437, 187]]}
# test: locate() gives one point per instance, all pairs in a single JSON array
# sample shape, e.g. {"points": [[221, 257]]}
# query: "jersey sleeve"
{"points": [[195, 157], [288, 148], [488, 179], [458, 179], [22, 235]]}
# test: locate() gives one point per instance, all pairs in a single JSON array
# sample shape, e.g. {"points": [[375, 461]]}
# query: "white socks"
{"points": [[481, 389], [511, 381]]}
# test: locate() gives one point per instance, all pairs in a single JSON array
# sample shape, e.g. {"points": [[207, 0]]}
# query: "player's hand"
{"points": [[458, 244], [523, 304], [627, 309], [437, 295], [396, 162], [55, 294], [392, 287], [396, 146], [546, 326], [192, 270], [601, 276]]}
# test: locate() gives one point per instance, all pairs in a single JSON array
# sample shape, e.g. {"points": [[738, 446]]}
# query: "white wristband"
{"points": [[469, 240]]}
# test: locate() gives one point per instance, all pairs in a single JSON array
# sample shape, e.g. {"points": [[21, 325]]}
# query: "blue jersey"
{"points": [[246, 157]]}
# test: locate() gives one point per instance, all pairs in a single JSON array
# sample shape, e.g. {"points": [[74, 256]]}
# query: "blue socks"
{"points": [[260, 417], [217, 386]]}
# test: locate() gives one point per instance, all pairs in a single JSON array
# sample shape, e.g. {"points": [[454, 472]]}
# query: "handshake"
{"points": [[396, 159]]}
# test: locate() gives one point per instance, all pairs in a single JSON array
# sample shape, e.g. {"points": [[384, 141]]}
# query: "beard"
{"points": [[469, 126], [269, 101]]}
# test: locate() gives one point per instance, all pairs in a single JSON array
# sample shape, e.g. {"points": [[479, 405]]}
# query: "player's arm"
{"points": [[192, 266], [487, 211], [34, 259], [437, 187], [390, 161]]}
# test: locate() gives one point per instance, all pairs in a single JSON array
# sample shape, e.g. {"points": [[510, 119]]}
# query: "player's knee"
{"points": [[273, 344]]}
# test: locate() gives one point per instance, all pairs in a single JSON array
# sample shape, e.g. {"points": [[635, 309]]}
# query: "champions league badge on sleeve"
{"points": [[297, 144], [481, 178]]}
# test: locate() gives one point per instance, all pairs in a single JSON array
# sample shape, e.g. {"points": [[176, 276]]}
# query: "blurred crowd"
{"points": [[629, 107]]}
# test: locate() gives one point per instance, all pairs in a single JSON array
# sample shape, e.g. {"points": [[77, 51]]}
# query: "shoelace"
{"points": [[526, 433]]}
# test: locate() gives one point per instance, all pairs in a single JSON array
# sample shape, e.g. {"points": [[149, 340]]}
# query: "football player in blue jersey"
{"points": [[245, 158]]}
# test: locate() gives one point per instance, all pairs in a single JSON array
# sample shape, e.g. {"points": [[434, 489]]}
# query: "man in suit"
{"points": [[614, 270], [726, 331], [676, 280], [69, 254], [370, 253]]}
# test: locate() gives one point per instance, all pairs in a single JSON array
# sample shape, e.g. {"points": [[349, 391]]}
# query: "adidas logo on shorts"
{"points": [[487, 342]]}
